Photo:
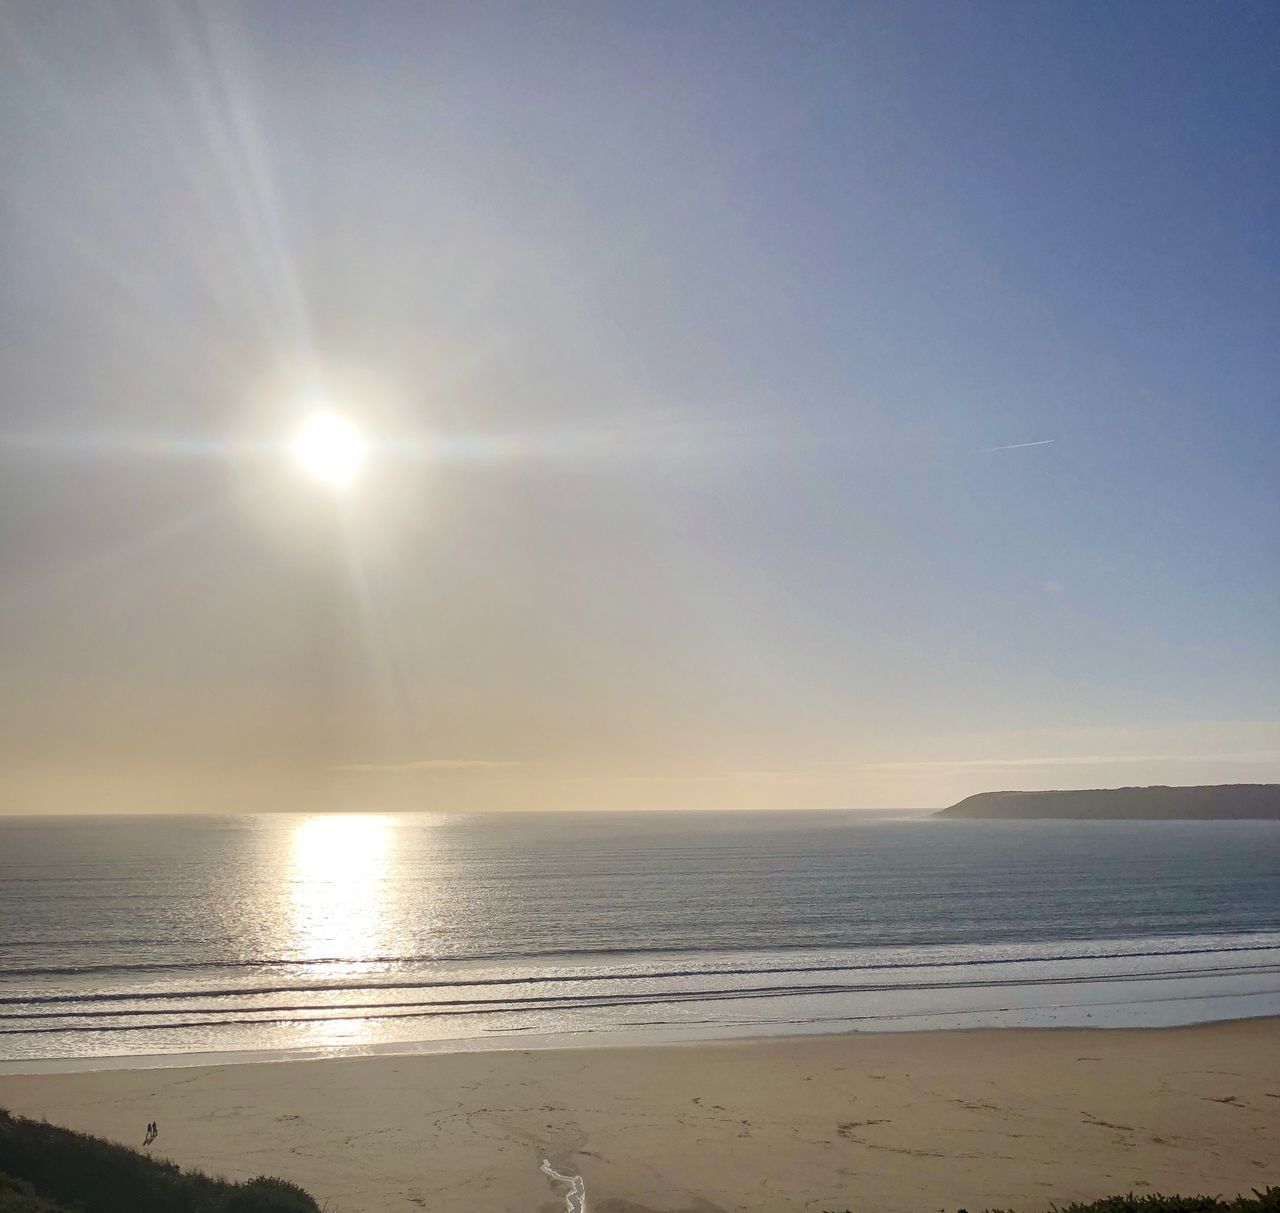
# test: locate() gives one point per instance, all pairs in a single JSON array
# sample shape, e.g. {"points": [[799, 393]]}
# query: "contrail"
{"points": [[575, 1200], [1017, 446]]}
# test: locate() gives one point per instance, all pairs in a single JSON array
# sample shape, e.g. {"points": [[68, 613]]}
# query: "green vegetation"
{"points": [[1266, 1201], [18, 1196], [46, 1169]]}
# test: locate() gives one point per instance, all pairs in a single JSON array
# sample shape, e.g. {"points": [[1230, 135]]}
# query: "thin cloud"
{"points": [[1018, 446], [425, 764], [1079, 760], [666, 777]]}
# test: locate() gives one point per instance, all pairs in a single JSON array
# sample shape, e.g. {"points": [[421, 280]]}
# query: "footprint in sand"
{"points": [[846, 1129]]}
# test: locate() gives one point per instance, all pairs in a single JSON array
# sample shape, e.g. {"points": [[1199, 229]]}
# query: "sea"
{"points": [[171, 940]]}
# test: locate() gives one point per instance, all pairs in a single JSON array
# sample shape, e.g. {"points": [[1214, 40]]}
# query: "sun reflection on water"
{"points": [[338, 889]]}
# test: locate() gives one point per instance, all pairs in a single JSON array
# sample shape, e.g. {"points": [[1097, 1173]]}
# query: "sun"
{"points": [[330, 448]]}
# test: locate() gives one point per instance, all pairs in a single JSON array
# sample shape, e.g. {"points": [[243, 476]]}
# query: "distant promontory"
{"points": [[1225, 802]]}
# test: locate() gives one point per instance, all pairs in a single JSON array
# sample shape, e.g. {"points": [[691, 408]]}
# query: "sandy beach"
{"points": [[914, 1121]]}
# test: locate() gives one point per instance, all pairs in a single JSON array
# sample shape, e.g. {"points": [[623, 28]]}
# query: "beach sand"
{"points": [[874, 1123]]}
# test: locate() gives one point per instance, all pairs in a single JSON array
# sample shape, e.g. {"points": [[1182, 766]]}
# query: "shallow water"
{"points": [[178, 935]]}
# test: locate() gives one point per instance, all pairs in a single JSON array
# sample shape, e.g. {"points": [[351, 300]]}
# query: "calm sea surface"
{"points": [[122, 937]]}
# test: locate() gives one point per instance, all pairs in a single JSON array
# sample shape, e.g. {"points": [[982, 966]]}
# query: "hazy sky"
{"points": [[769, 405]]}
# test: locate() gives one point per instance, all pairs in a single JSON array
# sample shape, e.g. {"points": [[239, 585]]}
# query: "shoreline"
{"points": [[818, 995], [895, 1122], [542, 1043]]}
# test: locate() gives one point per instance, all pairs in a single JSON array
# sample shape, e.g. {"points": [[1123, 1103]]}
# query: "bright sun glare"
{"points": [[330, 448]]}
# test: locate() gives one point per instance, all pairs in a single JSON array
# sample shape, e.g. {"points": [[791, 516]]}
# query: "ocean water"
{"points": [[249, 935]]}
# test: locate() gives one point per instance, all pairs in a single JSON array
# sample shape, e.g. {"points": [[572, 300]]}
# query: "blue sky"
{"points": [[687, 339]]}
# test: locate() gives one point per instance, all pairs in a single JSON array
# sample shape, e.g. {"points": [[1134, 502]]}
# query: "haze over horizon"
{"points": [[770, 406]]}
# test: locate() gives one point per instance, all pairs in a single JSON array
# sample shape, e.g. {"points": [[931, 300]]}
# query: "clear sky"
{"points": [[786, 405]]}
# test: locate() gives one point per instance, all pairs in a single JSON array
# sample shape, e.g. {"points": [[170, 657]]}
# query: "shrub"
{"points": [[58, 1167], [1266, 1201], [269, 1195], [18, 1196]]}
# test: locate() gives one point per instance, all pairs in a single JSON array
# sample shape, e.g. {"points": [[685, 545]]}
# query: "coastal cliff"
{"points": [[1225, 802]]}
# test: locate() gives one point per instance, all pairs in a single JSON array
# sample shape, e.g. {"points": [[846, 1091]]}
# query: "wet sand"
{"points": [[894, 1123]]}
